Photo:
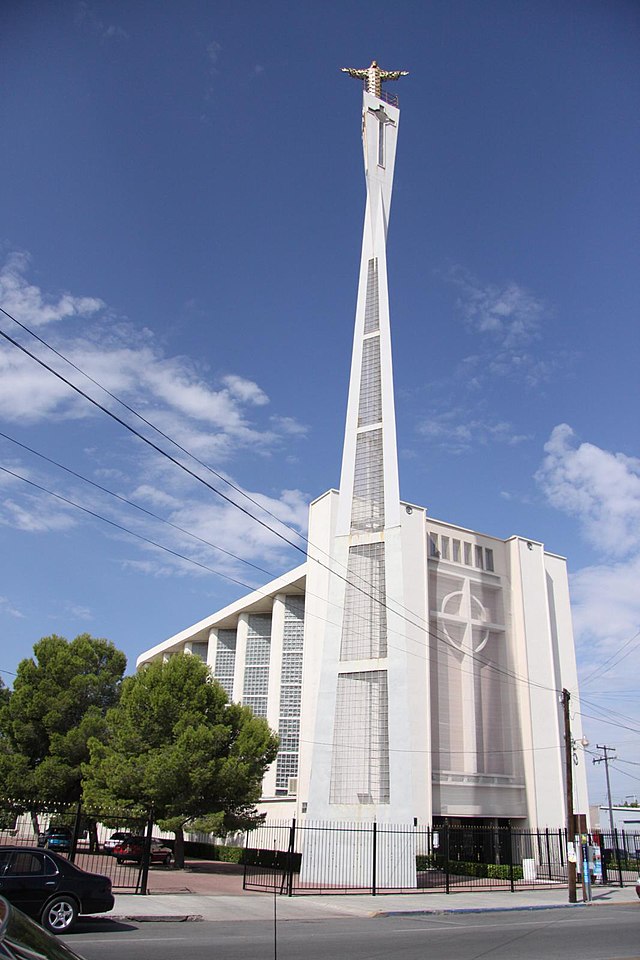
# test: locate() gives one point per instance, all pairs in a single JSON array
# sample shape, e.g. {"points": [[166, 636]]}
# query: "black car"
{"points": [[50, 889], [20, 938]]}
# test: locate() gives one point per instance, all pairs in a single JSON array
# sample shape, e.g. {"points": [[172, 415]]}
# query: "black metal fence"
{"points": [[620, 853], [86, 830], [321, 857]]}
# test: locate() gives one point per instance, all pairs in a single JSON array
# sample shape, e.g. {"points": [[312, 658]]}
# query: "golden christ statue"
{"points": [[374, 77]]}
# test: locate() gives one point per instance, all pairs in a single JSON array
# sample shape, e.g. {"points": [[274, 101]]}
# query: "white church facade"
{"points": [[412, 668]]}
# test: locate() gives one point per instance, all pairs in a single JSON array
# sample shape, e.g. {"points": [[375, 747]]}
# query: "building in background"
{"points": [[411, 667]]}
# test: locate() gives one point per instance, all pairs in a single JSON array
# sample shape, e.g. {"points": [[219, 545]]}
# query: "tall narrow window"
{"points": [[256, 671], [488, 559], [367, 511], [290, 694], [467, 554], [479, 558], [456, 551], [444, 548], [360, 760], [433, 545], [226, 660], [364, 627]]}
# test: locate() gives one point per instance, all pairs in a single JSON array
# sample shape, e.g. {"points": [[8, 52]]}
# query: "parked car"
{"points": [[50, 889], [56, 838], [116, 839], [133, 849], [21, 937]]}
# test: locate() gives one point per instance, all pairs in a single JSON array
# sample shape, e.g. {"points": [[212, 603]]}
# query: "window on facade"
{"points": [[456, 551], [226, 660], [444, 548], [479, 558], [467, 554], [488, 559], [433, 545], [290, 694]]}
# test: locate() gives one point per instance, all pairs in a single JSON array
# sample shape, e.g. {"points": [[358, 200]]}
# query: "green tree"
{"points": [[59, 701], [177, 746]]}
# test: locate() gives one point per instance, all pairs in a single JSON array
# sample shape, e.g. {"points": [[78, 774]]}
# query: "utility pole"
{"points": [[568, 756], [606, 759]]}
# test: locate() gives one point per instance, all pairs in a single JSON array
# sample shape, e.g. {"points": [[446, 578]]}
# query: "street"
{"points": [[590, 933]]}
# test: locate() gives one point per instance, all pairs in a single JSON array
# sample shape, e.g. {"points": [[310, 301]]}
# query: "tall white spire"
{"points": [[363, 722]]}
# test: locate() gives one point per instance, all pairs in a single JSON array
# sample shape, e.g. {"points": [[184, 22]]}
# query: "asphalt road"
{"points": [[605, 933]]}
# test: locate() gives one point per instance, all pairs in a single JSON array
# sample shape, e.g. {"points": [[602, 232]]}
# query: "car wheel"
{"points": [[167, 860], [119, 860], [60, 914]]}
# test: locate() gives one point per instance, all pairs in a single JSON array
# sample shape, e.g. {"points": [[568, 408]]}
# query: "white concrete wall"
{"points": [[543, 724]]}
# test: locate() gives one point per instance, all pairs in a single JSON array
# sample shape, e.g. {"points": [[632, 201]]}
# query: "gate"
{"points": [[86, 831]]}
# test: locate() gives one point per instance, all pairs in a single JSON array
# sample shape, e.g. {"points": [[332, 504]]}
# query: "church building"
{"points": [[411, 667]]}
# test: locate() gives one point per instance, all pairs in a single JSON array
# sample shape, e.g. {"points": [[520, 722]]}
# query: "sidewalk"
{"points": [[249, 906]]}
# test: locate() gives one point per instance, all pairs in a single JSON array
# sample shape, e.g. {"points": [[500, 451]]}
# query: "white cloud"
{"points": [[215, 421], [27, 303], [290, 426], [600, 488], [80, 612], [510, 313], [7, 607], [509, 320], [214, 49], [35, 515], [606, 602], [170, 391], [87, 17], [245, 390], [458, 431]]}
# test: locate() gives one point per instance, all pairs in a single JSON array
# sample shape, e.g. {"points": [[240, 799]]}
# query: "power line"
{"points": [[420, 626], [132, 503], [119, 526], [146, 440], [144, 420], [599, 671], [351, 577], [508, 675]]}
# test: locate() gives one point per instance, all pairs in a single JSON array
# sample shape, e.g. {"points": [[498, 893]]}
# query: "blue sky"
{"points": [[182, 202]]}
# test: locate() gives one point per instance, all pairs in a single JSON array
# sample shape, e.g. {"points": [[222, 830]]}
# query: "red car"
{"points": [[133, 849]]}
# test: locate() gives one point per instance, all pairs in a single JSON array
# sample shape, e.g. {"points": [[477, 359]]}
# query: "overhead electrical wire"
{"points": [[421, 626], [144, 420], [132, 503], [91, 379], [119, 526], [600, 671], [449, 649], [141, 436]]}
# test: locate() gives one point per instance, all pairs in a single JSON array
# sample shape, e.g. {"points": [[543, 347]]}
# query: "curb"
{"points": [[150, 918], [530, 907]]}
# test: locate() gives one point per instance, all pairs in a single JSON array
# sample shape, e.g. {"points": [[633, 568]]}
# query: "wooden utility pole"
{"points": [[568, 755], [607, 751]]}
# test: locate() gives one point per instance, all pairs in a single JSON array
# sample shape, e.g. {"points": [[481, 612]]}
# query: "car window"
{"points": [[27, 864], [50, 867]]}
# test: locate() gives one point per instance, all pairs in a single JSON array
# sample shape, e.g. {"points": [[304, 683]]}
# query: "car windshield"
{"points": [[26, 939]]}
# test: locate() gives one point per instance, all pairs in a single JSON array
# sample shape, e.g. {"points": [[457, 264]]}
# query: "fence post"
{"points": [[510, 839], [616, 853], [446, 858], [374, 859], [292, 841], [76, 832], [546, 833], [146, 855]]}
